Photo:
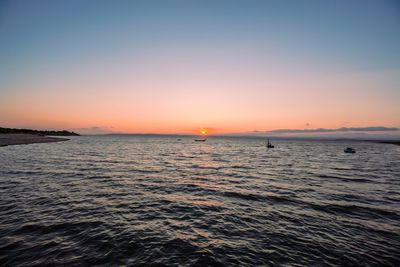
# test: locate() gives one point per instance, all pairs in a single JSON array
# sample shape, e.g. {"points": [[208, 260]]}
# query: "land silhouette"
{"points": [[10, 136], [36, 132]]}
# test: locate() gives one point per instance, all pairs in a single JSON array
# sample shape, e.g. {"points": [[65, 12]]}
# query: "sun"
{"points": [[203, 131]]}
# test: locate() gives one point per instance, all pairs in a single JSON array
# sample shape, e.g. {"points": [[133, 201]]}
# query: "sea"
{"points": [[124, 200]]}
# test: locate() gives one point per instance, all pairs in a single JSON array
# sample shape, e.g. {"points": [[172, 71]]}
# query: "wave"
{"points": [[258, 197], [341, 178], [70, 227], [355, 210]]}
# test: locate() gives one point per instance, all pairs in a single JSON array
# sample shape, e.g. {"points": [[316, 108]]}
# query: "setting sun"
{"points": [[203, 131]]}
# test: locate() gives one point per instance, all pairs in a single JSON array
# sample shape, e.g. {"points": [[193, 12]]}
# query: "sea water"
{"points": [[155, 200]]}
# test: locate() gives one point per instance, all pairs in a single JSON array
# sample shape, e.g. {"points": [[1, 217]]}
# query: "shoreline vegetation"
{"points": [[9, 136], [36, 132]]}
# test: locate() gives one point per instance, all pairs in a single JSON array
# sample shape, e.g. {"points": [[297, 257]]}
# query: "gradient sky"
{"points": [[176, 66]]}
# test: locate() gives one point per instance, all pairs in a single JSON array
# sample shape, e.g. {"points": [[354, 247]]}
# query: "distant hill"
{"points": [[37, 132]]}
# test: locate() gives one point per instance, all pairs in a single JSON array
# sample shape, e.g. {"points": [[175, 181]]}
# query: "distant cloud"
{"points": [[94, 130], [342, 129]]}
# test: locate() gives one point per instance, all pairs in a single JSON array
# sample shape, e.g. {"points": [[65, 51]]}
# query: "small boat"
{"points": [[269, 145], [179, 139], [349, 150], [200, 140]]}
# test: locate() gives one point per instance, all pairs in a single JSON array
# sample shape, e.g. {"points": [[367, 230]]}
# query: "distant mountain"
{"points": [[37, 132]]}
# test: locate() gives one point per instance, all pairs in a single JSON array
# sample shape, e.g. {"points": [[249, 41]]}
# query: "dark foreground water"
{"points": [[155, 200]]}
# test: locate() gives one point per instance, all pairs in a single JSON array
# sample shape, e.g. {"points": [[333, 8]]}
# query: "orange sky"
{"points": [[266, 103]]}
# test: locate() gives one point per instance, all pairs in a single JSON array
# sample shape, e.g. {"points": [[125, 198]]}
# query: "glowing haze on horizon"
{"points": [[182, 66]]}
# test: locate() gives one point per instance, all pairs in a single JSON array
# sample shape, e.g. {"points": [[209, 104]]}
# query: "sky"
{"points": [[178, 66]]}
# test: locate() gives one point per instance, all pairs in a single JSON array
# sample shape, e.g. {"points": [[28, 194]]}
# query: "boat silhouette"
{"points": [[349, 150], [269, 145]]}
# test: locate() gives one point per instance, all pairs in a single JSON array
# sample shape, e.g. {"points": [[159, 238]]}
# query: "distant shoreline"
{"points": [[301, 138], [25, 139], [385, 142], [7, 139]]}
